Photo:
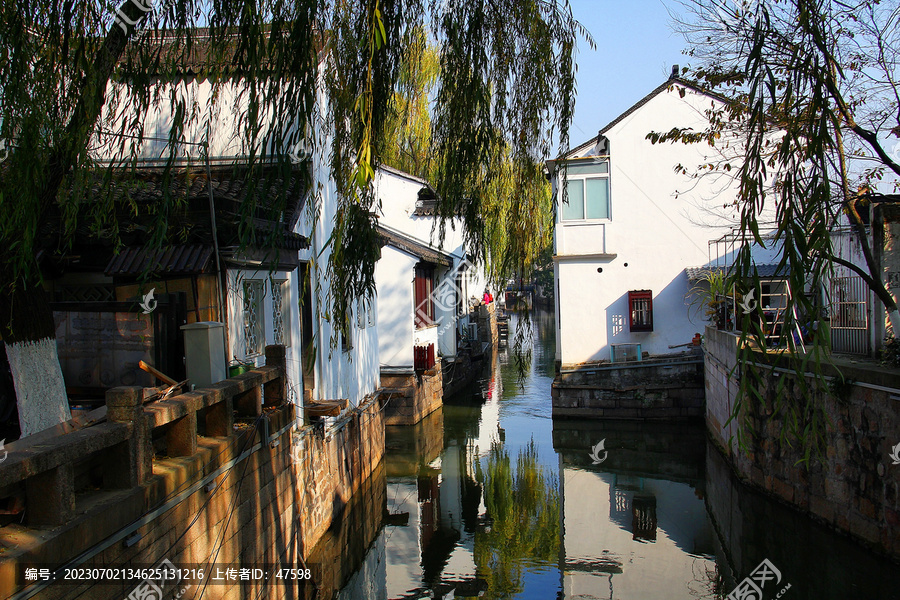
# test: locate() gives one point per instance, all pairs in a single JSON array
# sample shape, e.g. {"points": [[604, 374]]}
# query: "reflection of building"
{"points": [[634, 526], [646, 547]]}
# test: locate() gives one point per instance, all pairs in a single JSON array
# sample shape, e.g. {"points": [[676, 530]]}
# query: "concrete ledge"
{"points": [[32, 459]]}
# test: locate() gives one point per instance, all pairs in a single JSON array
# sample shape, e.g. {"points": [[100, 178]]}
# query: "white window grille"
{"points": [[281, 323], [254, 337], [360, 313]]}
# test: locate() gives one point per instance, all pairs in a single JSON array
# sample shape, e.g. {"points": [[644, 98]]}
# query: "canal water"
{"points": [[490, 497]]}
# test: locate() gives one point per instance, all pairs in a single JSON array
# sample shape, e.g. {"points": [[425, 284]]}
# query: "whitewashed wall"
{"points": [[354, 373], [397, 195], [394, 277], [653, 233]]}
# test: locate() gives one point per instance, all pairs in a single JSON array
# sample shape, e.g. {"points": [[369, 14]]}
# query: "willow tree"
{"points": [[813, 89], [515, 206], [507, 74]]}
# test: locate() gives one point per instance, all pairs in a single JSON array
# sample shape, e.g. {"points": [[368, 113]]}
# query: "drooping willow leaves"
{"points": [[69, 71], [813, 95]]}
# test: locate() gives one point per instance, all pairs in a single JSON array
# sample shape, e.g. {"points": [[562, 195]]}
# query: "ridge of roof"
{"points": [[404, 174], [640, 103]]}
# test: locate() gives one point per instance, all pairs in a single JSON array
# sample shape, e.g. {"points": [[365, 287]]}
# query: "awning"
{"points": [[181, 259], [763, 271]]}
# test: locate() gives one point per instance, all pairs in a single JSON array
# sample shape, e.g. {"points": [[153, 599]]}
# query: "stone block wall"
{"points": [[239, 500], [670, 389], [333, 466], [343, 547], [487, 323], [409, 397], [854, 486]]}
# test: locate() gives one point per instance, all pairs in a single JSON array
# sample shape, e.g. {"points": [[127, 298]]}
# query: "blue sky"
{"points": [[636, 48]]}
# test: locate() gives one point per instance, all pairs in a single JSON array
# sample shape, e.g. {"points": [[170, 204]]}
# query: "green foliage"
{"points": [[890, 352], [507, 86], [523, 504], [710, 291], [809, 92]]}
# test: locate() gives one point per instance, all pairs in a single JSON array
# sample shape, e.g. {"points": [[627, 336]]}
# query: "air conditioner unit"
{"points": [[625, 353], [473, 332]]}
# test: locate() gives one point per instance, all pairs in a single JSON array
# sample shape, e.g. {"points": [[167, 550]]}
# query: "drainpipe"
{"points": [[223, 308]]}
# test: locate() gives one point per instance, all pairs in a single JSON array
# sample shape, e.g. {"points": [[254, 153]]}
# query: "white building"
{"points": [[270, 298], [424, 284], [631, 226]]}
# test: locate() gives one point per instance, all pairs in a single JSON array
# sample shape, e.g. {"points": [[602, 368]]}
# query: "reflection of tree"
{"points": [[523, 508]]}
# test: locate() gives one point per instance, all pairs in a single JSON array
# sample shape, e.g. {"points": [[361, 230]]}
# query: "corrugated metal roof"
{"points": [[763, 271], [182, 259]]}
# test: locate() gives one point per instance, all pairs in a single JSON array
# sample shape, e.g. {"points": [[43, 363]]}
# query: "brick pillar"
{"points": [[276, 390], [130, 463]]}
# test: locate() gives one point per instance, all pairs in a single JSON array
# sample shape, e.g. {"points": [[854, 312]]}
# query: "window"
{"points": [[640, 308], [361, 313], [281, 324], [588, 192], [423, 285], [254, 336]]}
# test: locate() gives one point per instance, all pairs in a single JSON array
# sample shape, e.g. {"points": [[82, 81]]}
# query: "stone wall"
{"points": [[854, 486], [662, 389], [409, 396], [487, 323], [343, 547], [334, 464], [259, 497]]}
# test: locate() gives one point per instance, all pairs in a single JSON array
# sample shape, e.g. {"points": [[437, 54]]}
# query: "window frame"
{"points": [[284, 294], [423, 286], [259, 327], [584, 177], [635, 297]]}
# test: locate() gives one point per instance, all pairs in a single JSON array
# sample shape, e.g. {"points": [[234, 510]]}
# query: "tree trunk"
{"points": [[27, 327]]}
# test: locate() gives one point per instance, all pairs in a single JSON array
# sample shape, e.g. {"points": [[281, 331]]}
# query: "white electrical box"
{"points": [[204, 353]]}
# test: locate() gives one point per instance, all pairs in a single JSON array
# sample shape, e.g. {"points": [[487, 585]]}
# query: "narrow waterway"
{"points": [[490, 497]]}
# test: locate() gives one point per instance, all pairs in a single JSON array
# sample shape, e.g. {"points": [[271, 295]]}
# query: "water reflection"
{"points": [[522, 509], [635, 524], [491, 498]]}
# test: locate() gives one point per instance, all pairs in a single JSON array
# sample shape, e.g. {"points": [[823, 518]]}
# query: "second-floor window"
{"points": [[588, 193]]}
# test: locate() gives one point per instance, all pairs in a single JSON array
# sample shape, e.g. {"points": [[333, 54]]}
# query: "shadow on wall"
{"points": [[674, 321]]}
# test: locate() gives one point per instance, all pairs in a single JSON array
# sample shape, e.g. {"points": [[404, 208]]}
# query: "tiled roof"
{"points": [[182, 259], [414, 247]]}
